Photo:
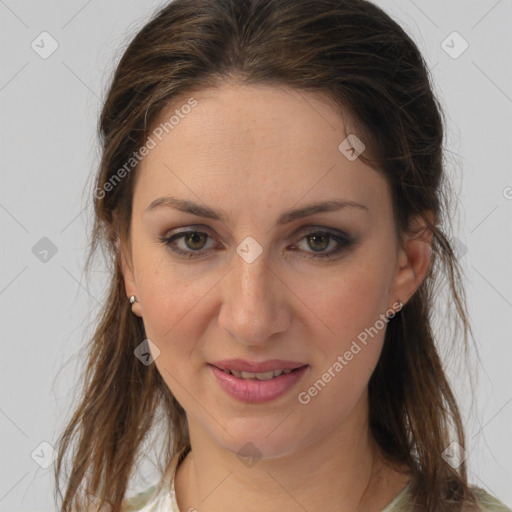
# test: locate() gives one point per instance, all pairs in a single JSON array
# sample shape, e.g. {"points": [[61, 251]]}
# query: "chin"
{"points": [[259, 439]]}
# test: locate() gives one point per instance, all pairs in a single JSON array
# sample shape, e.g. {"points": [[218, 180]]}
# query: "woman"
{"points": [[271, 195]]}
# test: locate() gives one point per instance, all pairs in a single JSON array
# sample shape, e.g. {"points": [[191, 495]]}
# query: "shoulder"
{"points": [[489, 503], [161, 495], [404, 502], [140, 502]]}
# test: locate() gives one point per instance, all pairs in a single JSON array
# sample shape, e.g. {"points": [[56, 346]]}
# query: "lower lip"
{"points": [[257, 391]]}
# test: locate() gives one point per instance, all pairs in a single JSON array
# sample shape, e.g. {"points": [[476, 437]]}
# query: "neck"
{"points": [[343, 467]]}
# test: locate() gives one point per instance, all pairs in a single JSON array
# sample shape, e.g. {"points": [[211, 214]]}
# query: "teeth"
{"points": [[260, 376]]}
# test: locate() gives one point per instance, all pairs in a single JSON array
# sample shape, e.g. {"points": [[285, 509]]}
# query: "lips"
{"points": [[270, 365], [260, 375], [255, 390]]}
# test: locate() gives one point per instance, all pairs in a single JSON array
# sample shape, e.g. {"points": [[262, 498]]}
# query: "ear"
{"points": [[126, 264], [414, 258]]}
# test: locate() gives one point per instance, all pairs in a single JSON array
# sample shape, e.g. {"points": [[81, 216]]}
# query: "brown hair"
{"points": [[362, 60]]}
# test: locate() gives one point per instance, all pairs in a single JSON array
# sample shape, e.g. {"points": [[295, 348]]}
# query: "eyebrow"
{"points": [[187, 206]]}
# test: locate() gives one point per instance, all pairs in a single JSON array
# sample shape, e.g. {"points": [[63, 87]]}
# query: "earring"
{"points": [[137, 310]]}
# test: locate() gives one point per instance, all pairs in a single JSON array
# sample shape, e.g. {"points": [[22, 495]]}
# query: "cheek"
{"points": [[345, 357], [174, 315], [169, 292], [175, 319], [347, 343], [347, 300]]}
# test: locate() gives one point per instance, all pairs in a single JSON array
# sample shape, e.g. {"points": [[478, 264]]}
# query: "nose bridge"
{"points": [[253, 304], [254, 280]]}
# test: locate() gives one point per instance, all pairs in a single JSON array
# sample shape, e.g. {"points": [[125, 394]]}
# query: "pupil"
{"points": [[195, 238], [322, 239]]}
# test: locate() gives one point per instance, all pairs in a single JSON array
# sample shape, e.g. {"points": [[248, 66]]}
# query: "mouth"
{"points": [[258, 387], [262, 370], [259, 375]]}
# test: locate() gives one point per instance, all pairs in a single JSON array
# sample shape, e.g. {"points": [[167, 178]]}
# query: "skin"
{"points": [[255, 152]]}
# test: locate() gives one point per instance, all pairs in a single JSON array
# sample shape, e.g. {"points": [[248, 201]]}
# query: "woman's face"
{"points": [[263, 273]]}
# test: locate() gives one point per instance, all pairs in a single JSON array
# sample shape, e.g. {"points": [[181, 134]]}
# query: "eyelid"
{"points": [[309, 229], [179, 233], [343, 240]]}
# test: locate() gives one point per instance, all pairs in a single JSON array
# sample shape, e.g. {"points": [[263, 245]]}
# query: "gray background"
{"points": [[49, 109]]}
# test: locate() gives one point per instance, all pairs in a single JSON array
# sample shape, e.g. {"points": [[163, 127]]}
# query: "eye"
{"points": [[315, 244], [320, 241], [190, 244]]}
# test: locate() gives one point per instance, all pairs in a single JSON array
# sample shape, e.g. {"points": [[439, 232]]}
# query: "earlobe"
{"points": [[136, 307]]}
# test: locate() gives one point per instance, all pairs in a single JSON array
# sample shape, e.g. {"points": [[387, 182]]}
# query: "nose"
{"points": [[255, 302]]}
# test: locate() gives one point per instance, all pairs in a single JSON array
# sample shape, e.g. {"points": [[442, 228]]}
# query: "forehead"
{"points": [[249, 138], [252, 118]]}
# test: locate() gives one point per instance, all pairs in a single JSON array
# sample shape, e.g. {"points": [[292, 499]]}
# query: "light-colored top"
{"points": [[162, 498]]}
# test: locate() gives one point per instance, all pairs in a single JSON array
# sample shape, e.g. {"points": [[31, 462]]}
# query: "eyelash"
{"points": [[342, 239]]}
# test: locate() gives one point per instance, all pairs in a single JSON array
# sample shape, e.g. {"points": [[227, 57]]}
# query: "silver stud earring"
{"points": [[133, 299]]}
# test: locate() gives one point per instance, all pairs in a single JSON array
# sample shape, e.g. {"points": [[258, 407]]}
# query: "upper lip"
{"points": [[243, 365]]}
